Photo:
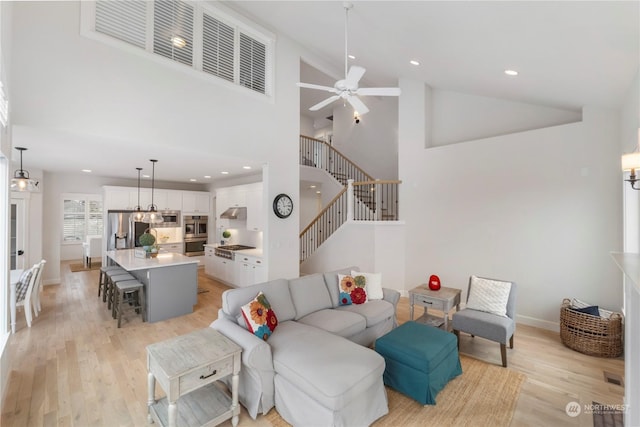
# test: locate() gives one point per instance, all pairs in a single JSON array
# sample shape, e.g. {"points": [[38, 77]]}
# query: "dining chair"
{"points": [[37, 289], [92, 248], [24, 291]]}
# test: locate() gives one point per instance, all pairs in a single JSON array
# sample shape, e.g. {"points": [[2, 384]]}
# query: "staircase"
{"points": [[363, 198]]}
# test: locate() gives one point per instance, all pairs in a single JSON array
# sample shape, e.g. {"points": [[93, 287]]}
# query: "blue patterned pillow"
{"points": [[23, 284]]}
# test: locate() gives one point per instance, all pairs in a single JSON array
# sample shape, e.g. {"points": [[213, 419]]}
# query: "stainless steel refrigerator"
{"points": [[120, 230]]}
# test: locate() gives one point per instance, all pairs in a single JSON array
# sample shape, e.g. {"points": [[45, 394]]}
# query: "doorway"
{"points": [[18, 234]]}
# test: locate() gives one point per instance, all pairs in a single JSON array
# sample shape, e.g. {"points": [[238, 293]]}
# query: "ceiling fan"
{"points": [[347, 89]]}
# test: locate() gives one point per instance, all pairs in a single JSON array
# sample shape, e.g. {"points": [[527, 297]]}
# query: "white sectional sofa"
{"points": [[316, 367]]}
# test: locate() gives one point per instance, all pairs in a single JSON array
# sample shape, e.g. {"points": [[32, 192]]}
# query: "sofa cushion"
{"points": [[331, 280], [276, 291], [259, 317], [333, 387], [373, 282], [352, 290], [309, 294], [374, 311], [342, 323]]}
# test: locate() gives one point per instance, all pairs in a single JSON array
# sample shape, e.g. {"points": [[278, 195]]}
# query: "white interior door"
{"points": [[18, 234]]}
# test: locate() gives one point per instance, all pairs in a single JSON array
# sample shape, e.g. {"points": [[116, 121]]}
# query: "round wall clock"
{"points": [[282, 205]]}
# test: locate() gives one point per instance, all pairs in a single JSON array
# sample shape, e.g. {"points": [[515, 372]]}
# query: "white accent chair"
{"points": [[37, 289], [92, 248]]}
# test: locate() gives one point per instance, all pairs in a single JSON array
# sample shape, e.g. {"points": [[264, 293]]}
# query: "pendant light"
{"points": [[151, 216], [21, 180], [139, 213]]}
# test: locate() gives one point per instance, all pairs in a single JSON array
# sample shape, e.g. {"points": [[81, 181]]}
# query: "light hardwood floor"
{"points": [[74, 367]]}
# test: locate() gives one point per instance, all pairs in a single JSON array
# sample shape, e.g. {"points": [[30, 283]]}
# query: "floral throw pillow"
{"points": [[259, 317], [351, 290]]}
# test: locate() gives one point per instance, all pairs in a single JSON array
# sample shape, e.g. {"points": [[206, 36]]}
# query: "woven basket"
{"points": [[588, 334]]}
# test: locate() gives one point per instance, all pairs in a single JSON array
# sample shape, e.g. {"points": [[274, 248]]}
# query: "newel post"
{"points": [[350, 200]]}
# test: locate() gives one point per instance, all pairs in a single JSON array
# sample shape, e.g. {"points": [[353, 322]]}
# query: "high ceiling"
{"points": [[568, 54]]}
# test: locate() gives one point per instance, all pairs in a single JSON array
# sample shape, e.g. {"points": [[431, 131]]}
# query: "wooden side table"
{"points": [[443, 299], [186, 368]]}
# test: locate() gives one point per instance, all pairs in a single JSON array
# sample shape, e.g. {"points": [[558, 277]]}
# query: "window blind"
{"points": [[124, 20], [217, 48], [81, 218], [173, 30], [252, 63]]}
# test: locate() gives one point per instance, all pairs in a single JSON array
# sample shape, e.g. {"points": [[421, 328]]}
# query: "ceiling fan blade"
{"points": [[319, 87], [358, 105], [324, 103], [378, 91], [354, 76]]}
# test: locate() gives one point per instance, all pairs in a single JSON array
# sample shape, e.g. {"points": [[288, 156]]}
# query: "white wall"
{"points": [[306, 125], [458, 117], [373, 143], [91, 88], [542, 208], [375, 247], [629, 128]]}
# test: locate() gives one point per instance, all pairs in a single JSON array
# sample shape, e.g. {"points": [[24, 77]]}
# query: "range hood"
{"points": [[234, 213]]}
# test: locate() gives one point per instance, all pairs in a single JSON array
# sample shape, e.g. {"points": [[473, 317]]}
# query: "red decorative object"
{"points": [[434, 282]]}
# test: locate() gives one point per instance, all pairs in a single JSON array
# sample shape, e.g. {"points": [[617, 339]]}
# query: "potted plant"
{"points": [[147, 240]]}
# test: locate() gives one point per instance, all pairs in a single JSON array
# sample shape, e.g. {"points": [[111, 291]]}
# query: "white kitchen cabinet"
{"points": [[248, 270], [145, 198], [223, 269], [196, 202], [168, 200], [254, 201], [209, 262], [117, 199]]}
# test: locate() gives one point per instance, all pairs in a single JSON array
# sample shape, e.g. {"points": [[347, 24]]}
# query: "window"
{"points": [[196, 34], [82, 217]]}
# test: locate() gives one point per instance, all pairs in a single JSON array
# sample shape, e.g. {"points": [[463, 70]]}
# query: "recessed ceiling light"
{"points": [[86, 170], [224, 173], [178, 42], [207, 176], [193, 180], [352, 57], [312, 186], [246, 167], [511, 72], [318, 192], [146, 176], [414, 62]]}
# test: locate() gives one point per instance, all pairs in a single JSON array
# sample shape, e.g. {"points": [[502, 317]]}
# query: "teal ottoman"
{"points": [[420, 360]]}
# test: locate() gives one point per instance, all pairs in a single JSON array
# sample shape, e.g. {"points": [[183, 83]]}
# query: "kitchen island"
{"points": [[170, 281]]}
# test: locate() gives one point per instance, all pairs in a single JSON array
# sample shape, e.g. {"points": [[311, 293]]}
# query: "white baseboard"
{"points": [[538, 323]]}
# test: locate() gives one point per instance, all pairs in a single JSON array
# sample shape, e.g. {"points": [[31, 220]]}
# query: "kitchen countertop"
{"points": [[126, 259]]}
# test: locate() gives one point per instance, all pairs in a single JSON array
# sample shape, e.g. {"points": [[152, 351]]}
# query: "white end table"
{"points": [[443, 299], [187, 368]]}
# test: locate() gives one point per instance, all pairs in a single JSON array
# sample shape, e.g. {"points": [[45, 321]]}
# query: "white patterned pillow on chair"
{"points": [[23, 284], [488, 295]]}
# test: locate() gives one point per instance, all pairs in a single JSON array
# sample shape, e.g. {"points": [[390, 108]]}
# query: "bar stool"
{"points": [[130, 296], [114, 277], [102, 279]]}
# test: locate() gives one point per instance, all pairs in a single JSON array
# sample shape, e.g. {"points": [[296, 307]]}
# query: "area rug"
{"points": [[95, 265], [484, 395]]}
